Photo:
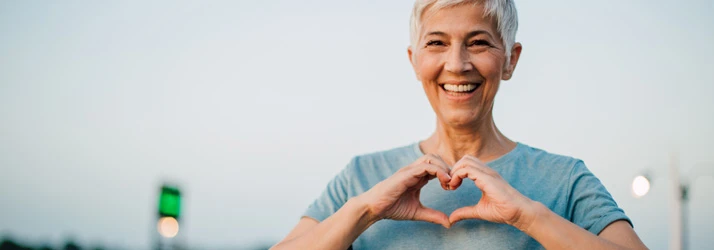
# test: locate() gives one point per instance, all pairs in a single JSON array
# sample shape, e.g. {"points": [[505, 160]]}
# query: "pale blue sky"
{"points": [[253, 106]]}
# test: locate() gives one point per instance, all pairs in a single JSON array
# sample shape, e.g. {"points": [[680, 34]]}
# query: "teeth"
{"points": [[459, 88]]}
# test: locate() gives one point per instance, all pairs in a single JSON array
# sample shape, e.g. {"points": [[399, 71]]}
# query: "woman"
{"points": [[487, 190]]}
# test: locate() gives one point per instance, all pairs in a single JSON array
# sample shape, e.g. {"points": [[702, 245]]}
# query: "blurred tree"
{"points": [[9, 244], [70, 245]]}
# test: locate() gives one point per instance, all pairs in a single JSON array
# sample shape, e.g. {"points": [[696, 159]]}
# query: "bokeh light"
{"points": [[168, 227], [640, 186]]}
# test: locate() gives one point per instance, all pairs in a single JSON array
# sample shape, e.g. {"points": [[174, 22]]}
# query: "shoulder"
{"points": [[406, 153], [373, 167], [541, 159]]}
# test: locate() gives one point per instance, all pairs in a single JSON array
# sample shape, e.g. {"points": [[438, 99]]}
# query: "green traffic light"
{"points": [[170, 202]]}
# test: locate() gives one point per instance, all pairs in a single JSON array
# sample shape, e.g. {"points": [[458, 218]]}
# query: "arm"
{"points": [[502, 203], [555, 232], [336, 232], [395, 198]]}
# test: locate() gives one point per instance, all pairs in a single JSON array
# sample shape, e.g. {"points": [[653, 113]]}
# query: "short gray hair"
{"points": [[504, 12]]}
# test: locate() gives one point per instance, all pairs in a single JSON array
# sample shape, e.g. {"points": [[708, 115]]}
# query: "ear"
{"points": [[511, 67], [410, 53]]}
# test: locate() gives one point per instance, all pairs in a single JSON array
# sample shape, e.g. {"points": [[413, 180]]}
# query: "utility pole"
{"points": [[675, 214]]}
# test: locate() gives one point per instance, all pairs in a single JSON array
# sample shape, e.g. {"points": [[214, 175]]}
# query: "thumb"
{"points": [[463, 213], [431, 215]]}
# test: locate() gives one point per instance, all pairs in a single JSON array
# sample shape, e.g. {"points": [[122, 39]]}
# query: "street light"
{"points": [[678, 202]]}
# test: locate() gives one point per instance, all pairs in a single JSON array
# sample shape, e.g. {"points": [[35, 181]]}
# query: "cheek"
{"points": [[428, 68], [489, 68], [489, 65]]}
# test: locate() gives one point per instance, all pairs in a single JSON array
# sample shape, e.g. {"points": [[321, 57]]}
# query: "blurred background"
{"points": [[249, 108]]}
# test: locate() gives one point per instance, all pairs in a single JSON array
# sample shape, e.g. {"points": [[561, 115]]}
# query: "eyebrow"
{"points": [[468, 35]]}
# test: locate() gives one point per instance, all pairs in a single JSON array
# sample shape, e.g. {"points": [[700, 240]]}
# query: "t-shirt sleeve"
{"points": [[333, 197], [591, 205]]}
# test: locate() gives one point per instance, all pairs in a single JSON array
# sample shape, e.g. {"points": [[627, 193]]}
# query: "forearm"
{"points": [[336, 232], [555, 232]]}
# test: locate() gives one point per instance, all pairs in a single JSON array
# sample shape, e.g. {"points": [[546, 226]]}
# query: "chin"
{"points": [[460, 118]]}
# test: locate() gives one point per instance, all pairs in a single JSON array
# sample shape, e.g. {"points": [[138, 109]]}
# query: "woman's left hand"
{"points": [[500, 202]]}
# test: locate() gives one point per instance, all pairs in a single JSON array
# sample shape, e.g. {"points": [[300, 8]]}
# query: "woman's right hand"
{"points": [[397, 197]]}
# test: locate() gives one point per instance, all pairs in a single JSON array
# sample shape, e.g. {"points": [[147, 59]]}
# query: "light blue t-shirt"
{"points": [[561, 183]]}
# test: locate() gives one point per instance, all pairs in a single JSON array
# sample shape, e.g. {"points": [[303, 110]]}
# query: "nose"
{"points": [[457, 60]]}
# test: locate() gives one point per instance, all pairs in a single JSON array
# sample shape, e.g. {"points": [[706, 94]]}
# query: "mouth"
{"points": [[461, 88]]}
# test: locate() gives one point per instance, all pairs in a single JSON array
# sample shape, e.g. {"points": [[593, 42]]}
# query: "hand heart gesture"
{"points": [[397, 197]]}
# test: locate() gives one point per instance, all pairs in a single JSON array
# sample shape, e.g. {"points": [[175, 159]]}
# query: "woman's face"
{"points": [[460, 60]]}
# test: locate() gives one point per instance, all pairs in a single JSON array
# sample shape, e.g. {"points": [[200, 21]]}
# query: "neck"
{"points": [[482, 140]]}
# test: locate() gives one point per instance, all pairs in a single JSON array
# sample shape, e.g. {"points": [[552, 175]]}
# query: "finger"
{"points": [[435, 159], [433, 216], [457, 179], [412, 175], [474, 174], [473, 162], [429, 169], [464, 213], [422, 182], [477, 163], [461, 163]]}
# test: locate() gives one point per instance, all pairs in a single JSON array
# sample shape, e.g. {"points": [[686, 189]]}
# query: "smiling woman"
{"points": [[477, 187]]}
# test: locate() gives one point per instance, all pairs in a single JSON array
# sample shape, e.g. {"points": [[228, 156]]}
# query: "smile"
{"points": [[460, 88], [460, 91]]}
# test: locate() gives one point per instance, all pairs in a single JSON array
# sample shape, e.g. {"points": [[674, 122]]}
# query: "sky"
{"points": [[251, 107]]}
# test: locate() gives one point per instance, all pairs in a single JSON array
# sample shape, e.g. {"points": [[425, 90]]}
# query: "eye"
{"points": [[479, 43], [434, 43]]}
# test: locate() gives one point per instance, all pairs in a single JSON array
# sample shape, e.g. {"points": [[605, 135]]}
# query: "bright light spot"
{"points": [[168, 227], [640, 186]]}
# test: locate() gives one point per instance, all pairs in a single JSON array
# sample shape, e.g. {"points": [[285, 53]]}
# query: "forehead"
{"points": [[457, 20]]}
